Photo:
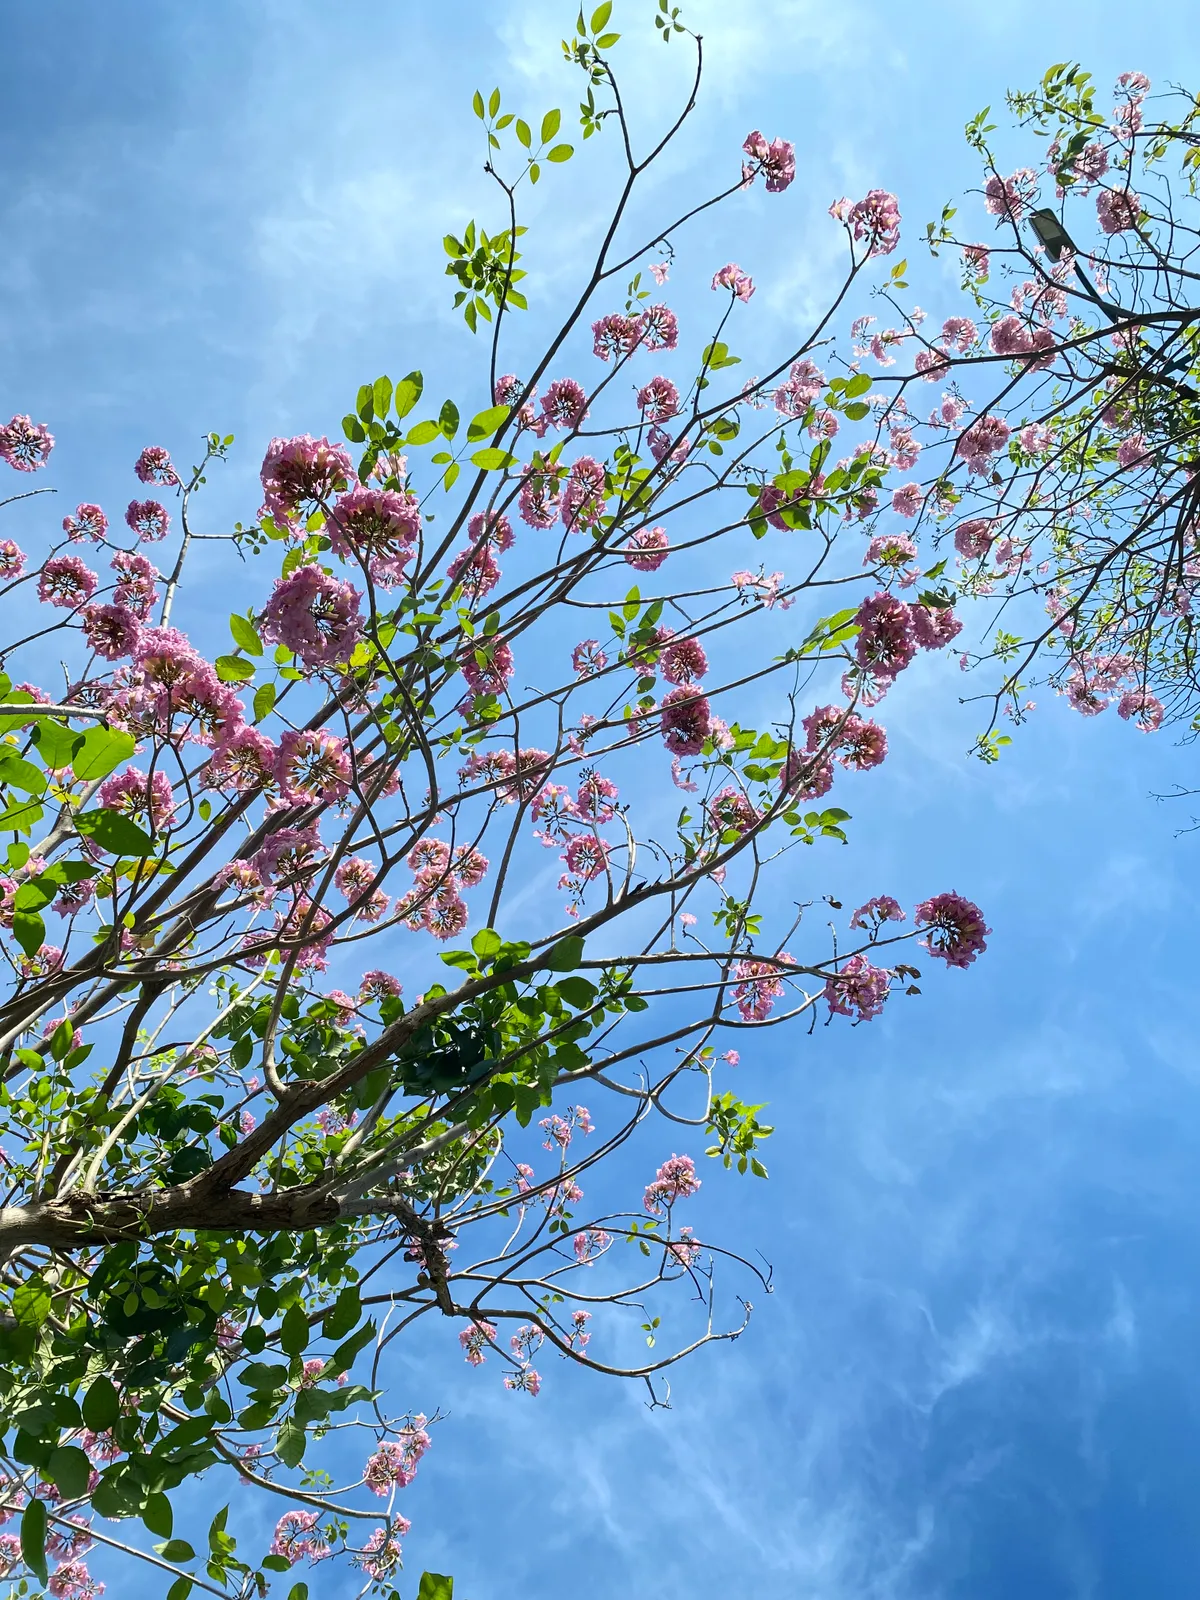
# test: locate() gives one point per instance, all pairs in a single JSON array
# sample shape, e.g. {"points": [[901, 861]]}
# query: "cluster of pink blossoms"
{"points": [[675, 1180], [25, 444], [474, 1340], [776, 160], [891, 632], [314, 615], [757, 986], [377, 528], [957, 932], [858, 989], [621, 333], [301, 472], [875, 218], [732, 277], [394, 1464], [297, 1536]]}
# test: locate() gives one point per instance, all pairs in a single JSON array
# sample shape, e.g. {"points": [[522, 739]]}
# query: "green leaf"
{"points": [[560, 152], [448, 419], [577, 992], [344, 1357], [56, 743], [383, 396], [492, 460], [245, 635], [423, 432], [232, 669], [22, 774], [550, 125], [486, 943], [29, 931], [180, 1589], [859, 384], [70, 1469], [565, 955], [264, 701], [33, 1537], [298, 1591], [600, 16], [486, 422], [342, 1315], [102, 1407], [101, 752], [477, 107], [115, 832], [408, 392], [176, 1550], [493, 102], [857, 410], [157, 1513], [295, 1332], [523, 133], [289, 1444], [353, 428]]}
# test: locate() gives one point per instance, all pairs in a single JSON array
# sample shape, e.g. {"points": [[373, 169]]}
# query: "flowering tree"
{"points": [[1065, 439], [295, 1013]]}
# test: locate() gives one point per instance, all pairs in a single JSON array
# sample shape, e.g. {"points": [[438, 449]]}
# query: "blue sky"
{"points": [[975, 1377]]}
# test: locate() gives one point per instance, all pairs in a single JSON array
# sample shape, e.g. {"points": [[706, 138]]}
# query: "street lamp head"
{"points": [[1052, 236]]}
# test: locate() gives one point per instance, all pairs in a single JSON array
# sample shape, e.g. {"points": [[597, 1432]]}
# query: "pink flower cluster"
{"points": [[858, 989], [25, 444], [956, 928], [394, 1464], [299, 472], [675, 1180], [776, 160]]}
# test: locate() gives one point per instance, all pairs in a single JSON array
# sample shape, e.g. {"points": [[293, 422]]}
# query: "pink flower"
{"points": [[475, 570], [583, 498], [858, 988], [12, 560], [135, 582], [906, 500], [1143, 707], [586, 856], [380, 1556], [660, 328], [145, 799], [757, 987], [148, 519], [89, 522], [683, 661], [875, 218], [732, 277], [804, 383], [616, 335], [65, 581], [977, 261], [661, 271], [587, 658], [595, 798], [475, 1340], [886, 643], [538, 501], [314, 615], [978, 443], [73, 1581], [777, 160], [1010, 337], [243, 760], [956, 928], [647, 549], [1132, 451], [934, 626], [154, 466], [396, 1462], [564, 404], [675, 1180], [488, 665], [959, 333], [890, 550], [973, 539], [301, 471], [658, 400], [112, 631], [589, 1245], [294, 1536], [378, 527], [313, 767], [880, 909], [1010, 197], [378, 985], [1118, 210], [25, 444], [686, 721]]}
